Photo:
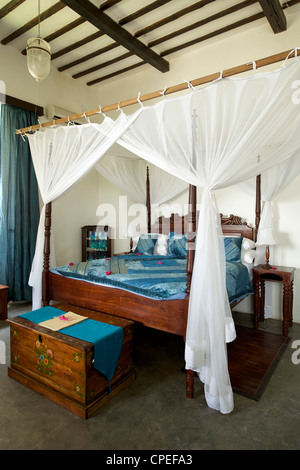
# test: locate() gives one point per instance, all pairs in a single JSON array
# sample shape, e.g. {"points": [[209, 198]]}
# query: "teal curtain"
{"points": [[19, 203]]}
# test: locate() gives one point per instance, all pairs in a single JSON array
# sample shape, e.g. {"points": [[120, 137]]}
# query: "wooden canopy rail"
{"points": [[173, 89]]}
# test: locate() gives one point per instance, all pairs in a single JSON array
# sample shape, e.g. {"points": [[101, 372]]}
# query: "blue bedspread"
{"points": [[158, 277]]}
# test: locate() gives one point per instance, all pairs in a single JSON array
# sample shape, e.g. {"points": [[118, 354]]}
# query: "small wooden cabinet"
{"points": [[96, 242], [282, 274]]}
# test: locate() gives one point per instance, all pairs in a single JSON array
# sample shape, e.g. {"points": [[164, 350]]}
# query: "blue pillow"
{"points": [[146, 244], [177, 244], [233, 247]]}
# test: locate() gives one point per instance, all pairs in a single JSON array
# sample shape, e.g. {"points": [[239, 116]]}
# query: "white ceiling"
{"points": [[216, 17]]}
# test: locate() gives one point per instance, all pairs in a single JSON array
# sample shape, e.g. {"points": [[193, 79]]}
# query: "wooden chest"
{"points": [[60, 367]]}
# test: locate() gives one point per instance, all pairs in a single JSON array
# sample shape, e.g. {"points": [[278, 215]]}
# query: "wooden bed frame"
{"points": [[165, 315]]}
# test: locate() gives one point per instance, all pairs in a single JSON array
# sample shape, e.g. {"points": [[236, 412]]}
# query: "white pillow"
{"points": [[161, 245], [247, 256], [135, 242], [248, 244]]}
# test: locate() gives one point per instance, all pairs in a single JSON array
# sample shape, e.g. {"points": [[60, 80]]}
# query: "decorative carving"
{"points": [[46, 260], [192, 227], [47, 228], [231, 220]]}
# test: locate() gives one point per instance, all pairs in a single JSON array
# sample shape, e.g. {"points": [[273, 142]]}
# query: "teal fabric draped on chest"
{"points": [[107, 339]]}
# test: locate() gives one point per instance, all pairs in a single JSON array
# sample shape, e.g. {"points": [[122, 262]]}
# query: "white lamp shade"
{"points": [[266, 237], [38, 58]]}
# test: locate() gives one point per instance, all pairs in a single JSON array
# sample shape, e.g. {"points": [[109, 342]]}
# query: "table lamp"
{"points": [[266, 238]]}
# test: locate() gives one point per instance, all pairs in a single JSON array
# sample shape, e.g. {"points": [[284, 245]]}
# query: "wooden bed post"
{"points": [[258, 204], [192, 227], [46, 262], [148, 201]]}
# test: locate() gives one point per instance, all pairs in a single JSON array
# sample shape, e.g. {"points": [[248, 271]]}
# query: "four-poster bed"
{"points": [[220, 153], [165, 315]]}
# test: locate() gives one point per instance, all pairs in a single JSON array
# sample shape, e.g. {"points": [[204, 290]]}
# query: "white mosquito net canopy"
{"points": [[214, 137], [127, 171]]}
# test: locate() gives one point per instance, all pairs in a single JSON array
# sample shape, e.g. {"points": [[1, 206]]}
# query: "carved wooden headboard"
{"points": [[176, 223], [234, 226]]}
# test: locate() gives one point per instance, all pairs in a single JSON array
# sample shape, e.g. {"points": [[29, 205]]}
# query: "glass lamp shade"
{"points": [[38, 58]]}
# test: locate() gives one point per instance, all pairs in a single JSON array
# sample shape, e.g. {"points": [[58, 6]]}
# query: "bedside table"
{"points": [[282, 274]]}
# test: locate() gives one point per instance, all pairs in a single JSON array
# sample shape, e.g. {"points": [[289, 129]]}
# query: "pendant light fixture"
{"points": [[38, 55]]}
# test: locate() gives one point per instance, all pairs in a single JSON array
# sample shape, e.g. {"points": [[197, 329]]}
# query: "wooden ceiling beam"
{"points": [[274, 14], [26, 27], [200, 4], [103, 65], [166, 52], [188, 44], [204, 21], [79, 21], [65, 29], [108, 4], [114, 74], [143, 11], [173, 17], [123, 21], [162, 22], [74, 24], [61, 31], [10, 6], [230, 27], [103, 50], [77, 44], [152, 27], [108, 26]]}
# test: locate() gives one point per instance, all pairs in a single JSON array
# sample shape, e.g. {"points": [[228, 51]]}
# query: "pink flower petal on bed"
{"points": [[159, 262], [108, 273], [62, 317]]}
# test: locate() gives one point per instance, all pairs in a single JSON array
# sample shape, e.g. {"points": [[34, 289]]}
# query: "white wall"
{"points": [[79, 206]]}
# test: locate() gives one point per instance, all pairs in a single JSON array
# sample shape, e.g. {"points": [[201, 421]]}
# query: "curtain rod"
{"points": [[173, 89]]}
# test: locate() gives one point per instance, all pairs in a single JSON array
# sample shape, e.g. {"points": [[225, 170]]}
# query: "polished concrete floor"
{"points": [[153, 413]]}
